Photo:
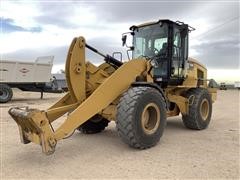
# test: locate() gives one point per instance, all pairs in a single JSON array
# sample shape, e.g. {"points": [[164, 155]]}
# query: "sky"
{"points": [[42, 28]]}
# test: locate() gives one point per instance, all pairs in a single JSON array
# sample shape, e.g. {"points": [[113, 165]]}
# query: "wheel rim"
{"points": [[204, 109], [3, 94], [150, 118]]}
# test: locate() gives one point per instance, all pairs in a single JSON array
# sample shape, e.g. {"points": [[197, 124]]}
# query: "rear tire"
{"points": [[94, 125], [6, 93], [200, 109], [141, 117]]}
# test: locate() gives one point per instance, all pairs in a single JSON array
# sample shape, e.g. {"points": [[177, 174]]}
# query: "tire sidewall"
{"points": [[145, 99], [6, 88], [204, 123]]}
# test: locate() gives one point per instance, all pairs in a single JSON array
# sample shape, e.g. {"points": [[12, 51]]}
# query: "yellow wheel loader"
{"points": [[160, 81]]}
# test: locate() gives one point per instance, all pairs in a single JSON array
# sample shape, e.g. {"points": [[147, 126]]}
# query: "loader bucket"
{"points": [[34, 127]]}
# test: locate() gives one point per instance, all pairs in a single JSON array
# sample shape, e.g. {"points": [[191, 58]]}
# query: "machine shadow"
{"points": [[30, 99], [175, 124], [79, 144]]}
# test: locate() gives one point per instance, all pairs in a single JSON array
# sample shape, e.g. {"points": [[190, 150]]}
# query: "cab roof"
{"points": [[132, 28]]}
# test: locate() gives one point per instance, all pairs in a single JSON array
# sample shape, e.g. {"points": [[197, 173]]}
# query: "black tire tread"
{"points": [[191, 120], [8, 88], [125, 110], [91, 127]]}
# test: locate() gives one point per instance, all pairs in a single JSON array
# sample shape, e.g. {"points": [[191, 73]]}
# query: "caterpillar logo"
{"points": [[24, 70]]}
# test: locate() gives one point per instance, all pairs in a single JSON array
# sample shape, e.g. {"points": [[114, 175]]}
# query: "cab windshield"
{"points": [[150, 41]]}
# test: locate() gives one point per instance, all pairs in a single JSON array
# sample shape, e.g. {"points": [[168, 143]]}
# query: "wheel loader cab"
{"points": [[166, 43]]}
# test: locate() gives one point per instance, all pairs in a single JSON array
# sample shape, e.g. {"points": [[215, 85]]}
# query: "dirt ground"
{"points": [[181, 153]]}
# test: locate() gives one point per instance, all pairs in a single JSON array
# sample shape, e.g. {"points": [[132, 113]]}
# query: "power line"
{"points": [[219, 26]]}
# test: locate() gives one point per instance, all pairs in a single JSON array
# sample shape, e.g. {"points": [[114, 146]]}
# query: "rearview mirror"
{"points": [[124, 39]]}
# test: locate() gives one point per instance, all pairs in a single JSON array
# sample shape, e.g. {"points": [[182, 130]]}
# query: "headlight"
{"points": [[154, 63]]}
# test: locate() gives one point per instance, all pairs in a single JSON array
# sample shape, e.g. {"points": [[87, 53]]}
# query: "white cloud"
{"points": [[23, 13], [85, 19], [83, 16], [27, 40], [56, 68]]}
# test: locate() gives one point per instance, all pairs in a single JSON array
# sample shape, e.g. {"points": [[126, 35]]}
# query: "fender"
{"points": [[155, 86]]}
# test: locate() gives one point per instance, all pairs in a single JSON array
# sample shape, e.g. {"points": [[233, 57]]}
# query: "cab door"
{"points": [[179, 54]]}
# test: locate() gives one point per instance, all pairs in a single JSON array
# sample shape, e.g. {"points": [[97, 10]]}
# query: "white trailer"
{"points": [[27, 76]]}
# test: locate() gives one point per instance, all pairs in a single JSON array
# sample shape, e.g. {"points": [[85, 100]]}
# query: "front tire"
{"points": [[141, 117], [200, 109]]}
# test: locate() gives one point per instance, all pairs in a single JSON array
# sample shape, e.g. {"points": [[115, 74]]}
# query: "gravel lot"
{"points": [[181, 153]]}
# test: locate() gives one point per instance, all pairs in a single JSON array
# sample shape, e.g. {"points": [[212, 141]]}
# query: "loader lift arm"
{"points": [[35, 125]]}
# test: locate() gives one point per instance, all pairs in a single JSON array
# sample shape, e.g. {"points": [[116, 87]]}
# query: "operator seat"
{"points": [[163, 51], [162, 64], [148, 52]]}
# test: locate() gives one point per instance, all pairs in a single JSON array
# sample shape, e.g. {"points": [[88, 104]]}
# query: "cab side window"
{"points": [[140, 43], [177, 59], [176, 43]]}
